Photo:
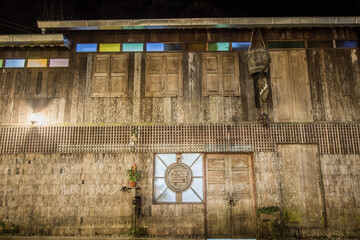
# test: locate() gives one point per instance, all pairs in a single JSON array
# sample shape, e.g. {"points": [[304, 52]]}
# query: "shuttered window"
{"points": [[110, 75], [220, 74], [163, 75]]}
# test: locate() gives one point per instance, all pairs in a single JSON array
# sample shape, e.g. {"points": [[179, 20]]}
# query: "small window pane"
{"points": [[347, 44], [15, 63], [168, 159], [189, 158], [160, 187], [190, 196], [173, 47], [160, 168], [286, 44], [37, 63], [236, 46], [133, 47], [197, 168], [1, 63], [167, 196], [86, 47], [320, 44], [221, 46], [154, 47], [196, 47], [64, 62], [197, 185], [109, 47]]}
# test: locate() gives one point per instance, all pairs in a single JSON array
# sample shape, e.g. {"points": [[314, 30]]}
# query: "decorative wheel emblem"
{"points": [[178, 177]]}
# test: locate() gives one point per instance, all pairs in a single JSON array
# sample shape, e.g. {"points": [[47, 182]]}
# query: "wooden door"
{"points": [[230, 196]]}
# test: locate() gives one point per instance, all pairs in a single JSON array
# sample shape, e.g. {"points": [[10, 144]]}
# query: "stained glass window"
{"points": [[236, 46], [133, 47], [37, 63], [220, 46], [15, 63], [59, 62], [1, 63], [86, 47], [109, 47], [347, 44], [286, 44], [179, 178]]}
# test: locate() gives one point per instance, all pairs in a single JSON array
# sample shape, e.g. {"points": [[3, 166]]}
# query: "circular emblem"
{"points": [[178, 177]]}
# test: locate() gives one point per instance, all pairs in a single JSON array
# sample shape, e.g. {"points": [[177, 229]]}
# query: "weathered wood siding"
{"points": [[334, 77], [64, 95]]}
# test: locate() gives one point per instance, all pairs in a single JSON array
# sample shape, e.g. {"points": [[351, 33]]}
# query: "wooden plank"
{"points": [[137, 88]]}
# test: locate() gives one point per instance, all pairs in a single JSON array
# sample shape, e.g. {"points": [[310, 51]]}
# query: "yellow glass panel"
{"points": [[109, 47], [196, 47], [37, 63]]}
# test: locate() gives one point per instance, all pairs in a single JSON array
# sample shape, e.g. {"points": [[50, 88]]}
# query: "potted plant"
{"points": [[133, 175], [269, 213]]}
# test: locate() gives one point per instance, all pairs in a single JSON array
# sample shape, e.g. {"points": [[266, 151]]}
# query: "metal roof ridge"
{"points": [[176, 23]]}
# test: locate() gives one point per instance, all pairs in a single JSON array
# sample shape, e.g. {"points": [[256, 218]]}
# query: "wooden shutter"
{"points": [[290, 84], [220, 74], [119, 75], [211, 74], [173, 77], [163, 75], [230, 74], [100, 81]]}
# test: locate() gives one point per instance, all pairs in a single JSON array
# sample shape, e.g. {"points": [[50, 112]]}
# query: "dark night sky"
{"points": [[25, 13]]}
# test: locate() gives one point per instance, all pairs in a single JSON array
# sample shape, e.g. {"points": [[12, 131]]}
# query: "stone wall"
{"points": [[70, 194], [341, 179]]}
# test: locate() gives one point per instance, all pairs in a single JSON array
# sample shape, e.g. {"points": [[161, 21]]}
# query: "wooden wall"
{"points": [[65, 95]]}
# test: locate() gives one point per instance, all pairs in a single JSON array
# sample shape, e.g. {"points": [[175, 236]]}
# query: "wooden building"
{"points": [[84, 100]]}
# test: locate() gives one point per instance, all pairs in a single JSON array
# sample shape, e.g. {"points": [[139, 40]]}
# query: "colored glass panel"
{"points": [[220, 46], [320, 44], [286, 44], [236, 46], [60, 62], [37, 63], [109, 47], [15, 63], [86, 47], [1, 63], [133, 47], [155, 47], [196, 47], [347, 44], [173, 47]]}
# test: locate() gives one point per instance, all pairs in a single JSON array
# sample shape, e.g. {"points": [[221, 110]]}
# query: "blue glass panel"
{"points": [[15, 63], [240, 46], [133, 47], [154, 47], [347, 44], [86, 47]]}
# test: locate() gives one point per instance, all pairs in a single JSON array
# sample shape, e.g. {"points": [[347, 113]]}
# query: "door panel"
{"points": [[230, 196]]}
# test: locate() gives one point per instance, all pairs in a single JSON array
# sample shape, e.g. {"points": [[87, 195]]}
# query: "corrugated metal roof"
{"points": [[33, 40], [173, 23]]}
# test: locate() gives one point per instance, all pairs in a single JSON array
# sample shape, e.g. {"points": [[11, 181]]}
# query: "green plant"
{"points": [[9, 228], [133, 173], [268, 210]]}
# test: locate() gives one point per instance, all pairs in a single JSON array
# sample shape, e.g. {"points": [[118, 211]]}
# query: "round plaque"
{"points": [[178, 177]]}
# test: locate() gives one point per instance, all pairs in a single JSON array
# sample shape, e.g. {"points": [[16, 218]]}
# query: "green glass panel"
{"points": [[286, 44], [109, 47], [1, 63], [133, 47], [221, 46]]}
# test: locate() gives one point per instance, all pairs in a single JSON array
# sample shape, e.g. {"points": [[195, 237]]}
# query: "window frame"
{"points": [[203, 201]]}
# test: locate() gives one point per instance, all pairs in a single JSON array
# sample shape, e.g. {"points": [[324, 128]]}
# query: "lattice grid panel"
{"points": [[331, 138]]}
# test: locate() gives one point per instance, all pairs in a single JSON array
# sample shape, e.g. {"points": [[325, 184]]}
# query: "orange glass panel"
{"points": [[37, 63]]}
